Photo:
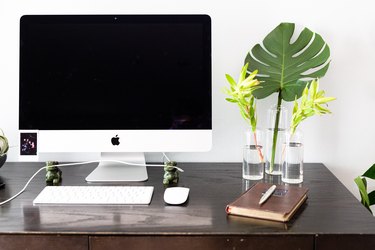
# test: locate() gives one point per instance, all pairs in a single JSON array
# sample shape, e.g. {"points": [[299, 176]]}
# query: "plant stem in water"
{"points": [[261, 158], [275, 131]]}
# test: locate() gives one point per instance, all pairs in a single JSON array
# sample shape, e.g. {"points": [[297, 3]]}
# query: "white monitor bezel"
{"points": [[130, 140]]}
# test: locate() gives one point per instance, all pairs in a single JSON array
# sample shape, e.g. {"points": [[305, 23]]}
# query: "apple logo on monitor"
{"points": [[115, 140]]}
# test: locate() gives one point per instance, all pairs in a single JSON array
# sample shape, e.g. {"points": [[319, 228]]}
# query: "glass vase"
{"points": [[292, 170], [275, 139], [253, 163]]}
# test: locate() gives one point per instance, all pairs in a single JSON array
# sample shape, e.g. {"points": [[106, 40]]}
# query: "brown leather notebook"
{"points": [[281, 206]]}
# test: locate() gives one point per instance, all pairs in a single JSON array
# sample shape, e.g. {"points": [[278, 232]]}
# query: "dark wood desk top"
{"points": [[330, 209]]}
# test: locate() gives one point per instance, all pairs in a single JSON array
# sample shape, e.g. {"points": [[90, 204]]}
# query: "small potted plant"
{"points": [[4, 146]]}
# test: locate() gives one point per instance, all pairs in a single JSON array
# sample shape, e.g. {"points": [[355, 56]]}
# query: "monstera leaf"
{"points": [[286, 67]]}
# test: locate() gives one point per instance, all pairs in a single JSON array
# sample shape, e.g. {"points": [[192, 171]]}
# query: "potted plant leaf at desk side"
{"points": [[4, 146], [286, 67], [240, 93], [367, 199]]}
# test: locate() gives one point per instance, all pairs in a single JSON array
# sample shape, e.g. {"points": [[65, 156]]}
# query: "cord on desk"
{"points": [[117, 161], [24, 188], [98, 161], [166, 157]]}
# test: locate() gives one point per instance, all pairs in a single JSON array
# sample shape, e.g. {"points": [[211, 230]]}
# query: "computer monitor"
{"points": [[116, 84]]}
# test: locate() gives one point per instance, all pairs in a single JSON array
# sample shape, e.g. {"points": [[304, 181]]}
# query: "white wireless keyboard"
{"points": [[95, 195]]}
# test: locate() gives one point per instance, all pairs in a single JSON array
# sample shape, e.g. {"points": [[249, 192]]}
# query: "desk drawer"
{"points": [[202, 242], [345, 241], [38, 242]]}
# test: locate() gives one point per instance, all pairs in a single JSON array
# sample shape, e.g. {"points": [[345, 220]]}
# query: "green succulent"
{"points": [[4, 146]]}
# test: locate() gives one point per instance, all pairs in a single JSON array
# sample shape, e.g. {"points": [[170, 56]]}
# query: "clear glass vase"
{"points": [[253, 163], [275, 139], [292, 170]]}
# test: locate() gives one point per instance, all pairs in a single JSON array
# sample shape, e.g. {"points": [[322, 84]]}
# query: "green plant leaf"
{"points": [[363, 192], [324, 99], [243, 114], [370, 173], [321, 109], [243, 73], [288, 67], [290, 89], [371, 198], [295, 106], [231, 100], [231, 81]]}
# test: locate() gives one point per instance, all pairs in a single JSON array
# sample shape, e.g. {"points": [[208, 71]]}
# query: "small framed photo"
{"points": [[28, 145]]}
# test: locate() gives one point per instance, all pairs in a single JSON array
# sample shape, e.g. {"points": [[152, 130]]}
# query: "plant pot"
{"points": [[3, 159]]}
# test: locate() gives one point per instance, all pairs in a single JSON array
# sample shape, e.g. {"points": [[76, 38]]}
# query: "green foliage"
{"points": [[312, 103], [367, 199], [241, 94], [286, 67], [4, 145]]}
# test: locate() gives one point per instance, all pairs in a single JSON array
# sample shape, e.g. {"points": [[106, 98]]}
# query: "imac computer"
{"points": [[121, 85]]}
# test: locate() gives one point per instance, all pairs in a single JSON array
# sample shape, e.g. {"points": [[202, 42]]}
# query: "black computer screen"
{"points": [[87, 72]]}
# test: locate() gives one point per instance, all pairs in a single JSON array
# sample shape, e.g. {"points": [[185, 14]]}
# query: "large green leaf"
{"points": [[288, 67], [370, 173], [371, 198]]}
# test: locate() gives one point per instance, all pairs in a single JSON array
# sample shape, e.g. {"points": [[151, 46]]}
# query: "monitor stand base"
{"points": [[109, 172]]}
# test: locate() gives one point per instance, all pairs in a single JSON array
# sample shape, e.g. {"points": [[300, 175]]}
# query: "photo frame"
{"points": [[28, 150]]}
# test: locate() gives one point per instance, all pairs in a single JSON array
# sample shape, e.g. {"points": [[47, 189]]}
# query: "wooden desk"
{"points": [[332, 218]]}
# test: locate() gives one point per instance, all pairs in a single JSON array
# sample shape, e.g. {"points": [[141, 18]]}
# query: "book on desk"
{"points": [[281, 206]]}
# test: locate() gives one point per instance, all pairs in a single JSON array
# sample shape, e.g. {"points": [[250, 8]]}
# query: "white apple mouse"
{"points": [[176, 195]]}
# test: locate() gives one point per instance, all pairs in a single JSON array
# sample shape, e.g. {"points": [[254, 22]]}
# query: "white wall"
{"points": [[342, 141]]}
